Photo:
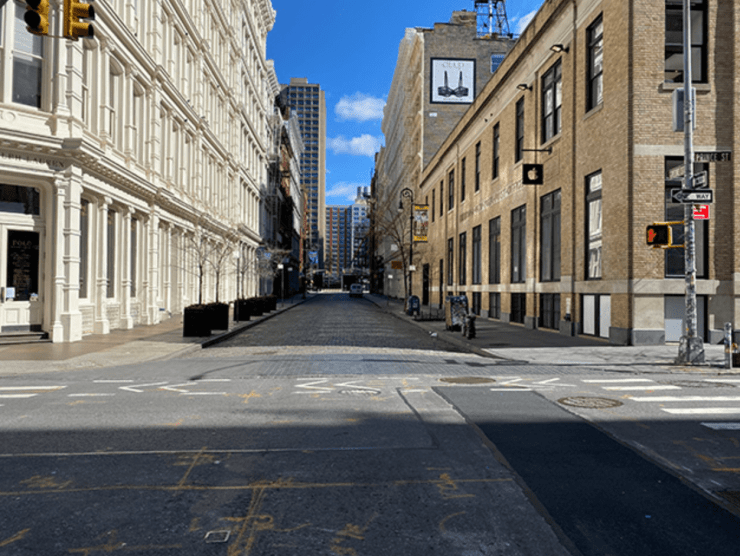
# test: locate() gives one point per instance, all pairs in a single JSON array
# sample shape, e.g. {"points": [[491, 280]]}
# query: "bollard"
{"points": [[728, 345]]}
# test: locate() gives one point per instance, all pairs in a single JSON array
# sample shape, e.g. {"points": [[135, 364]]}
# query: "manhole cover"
{"points": [[217, 536], [698, 384], [590, 403], [359, 392], [467, 380]]}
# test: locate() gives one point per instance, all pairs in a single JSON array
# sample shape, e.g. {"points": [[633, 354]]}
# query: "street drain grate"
{"points": [[699, 384], [467, 380], [217, 536], [733, 497], [590, 403], [360, 392]]}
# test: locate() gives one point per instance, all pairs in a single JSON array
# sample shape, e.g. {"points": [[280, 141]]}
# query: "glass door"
{"points": [[20, 310]]}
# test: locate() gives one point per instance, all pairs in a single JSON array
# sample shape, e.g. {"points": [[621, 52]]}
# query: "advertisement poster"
{"points": [[421, 223], [453, 81]]}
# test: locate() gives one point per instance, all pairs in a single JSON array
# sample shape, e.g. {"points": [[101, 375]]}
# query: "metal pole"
{"points": [[691, 347], [411, 250]]}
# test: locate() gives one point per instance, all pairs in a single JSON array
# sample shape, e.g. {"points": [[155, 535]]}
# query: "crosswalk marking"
{"points": [[650, 387], [11, 396], [615, 380], [666, 399], [702, 410]]}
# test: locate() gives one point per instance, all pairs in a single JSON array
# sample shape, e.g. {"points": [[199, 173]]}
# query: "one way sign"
{"points": [[692, 196]]}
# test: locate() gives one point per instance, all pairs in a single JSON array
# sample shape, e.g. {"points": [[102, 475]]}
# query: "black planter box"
{"points": [[242, 310], [196, 321], [271, 302], [219, 316], [257, 306]]}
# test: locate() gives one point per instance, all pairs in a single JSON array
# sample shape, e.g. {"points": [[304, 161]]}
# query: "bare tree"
{"points": [[218, 257], [389, 223]]}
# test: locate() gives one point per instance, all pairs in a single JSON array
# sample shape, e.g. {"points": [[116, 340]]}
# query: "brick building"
{"points": [[586, 92], [439, 73]]}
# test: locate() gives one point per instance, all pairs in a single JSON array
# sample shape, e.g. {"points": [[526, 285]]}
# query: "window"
{"points": [[441, 282], [450, 259], [477, 166], [519, 244], [674, 41], [494, 305], [19, 200], [519, 146], [28, 55], [475, 307], [494, 250], [550, 238], [496, 150], [462, 181], [550, 310], [595, 78], [463, 259], [675, 265], [593, 226], [476, 255], [518, 307], [451, 190], [552, 100], [432, 211], [441, 198]]}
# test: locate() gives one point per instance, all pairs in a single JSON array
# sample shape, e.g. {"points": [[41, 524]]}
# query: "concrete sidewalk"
{"points": [[545, 347], [121, 347]]}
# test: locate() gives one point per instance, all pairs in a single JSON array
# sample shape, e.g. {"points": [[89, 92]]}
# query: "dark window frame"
{"points": [[592, 239], [476, 253], [519, 139], [462, 179], [519, 245], [494, 250], [595, 51], [450, 260], [674, 41], [496, 151], [451, 190], [552, 85], [550, 236], [477, 166], [463, 256]]}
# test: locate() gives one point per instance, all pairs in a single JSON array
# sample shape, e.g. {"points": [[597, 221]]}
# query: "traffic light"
{"points": [[73, 13], [659, 235], [37, 17]]}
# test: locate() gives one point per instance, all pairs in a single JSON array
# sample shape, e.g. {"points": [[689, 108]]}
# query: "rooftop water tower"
{"points": [[492, 18]]}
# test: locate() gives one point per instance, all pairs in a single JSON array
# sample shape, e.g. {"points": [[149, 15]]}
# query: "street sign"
{"points": [[701, 180], [716, 156], [676, 172], [701, 212], [692, 196]]}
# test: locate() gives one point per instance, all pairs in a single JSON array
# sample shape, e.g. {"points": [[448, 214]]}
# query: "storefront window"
{"points": [[19, 200]]}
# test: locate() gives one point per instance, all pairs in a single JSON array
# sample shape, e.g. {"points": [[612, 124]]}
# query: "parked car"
{"points": [[355, 290]]}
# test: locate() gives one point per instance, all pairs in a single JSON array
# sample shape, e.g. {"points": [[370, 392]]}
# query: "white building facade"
{"points": [[122, 153]]}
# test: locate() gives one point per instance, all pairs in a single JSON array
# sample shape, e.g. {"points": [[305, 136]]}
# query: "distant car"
{"points": [[355, 290]]}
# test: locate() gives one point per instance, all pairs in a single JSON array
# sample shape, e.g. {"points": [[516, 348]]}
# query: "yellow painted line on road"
{"points": [[19, 536]]}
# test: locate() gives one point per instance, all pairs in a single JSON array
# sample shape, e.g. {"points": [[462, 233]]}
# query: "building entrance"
{"points": [[20, 306]]}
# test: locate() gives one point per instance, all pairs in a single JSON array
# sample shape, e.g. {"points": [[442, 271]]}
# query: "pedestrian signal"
{"points": [[73, 13], [659, 235], [37, 17]]}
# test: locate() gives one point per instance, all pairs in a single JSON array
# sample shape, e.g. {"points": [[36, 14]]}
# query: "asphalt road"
{"points": [[334, 429]]}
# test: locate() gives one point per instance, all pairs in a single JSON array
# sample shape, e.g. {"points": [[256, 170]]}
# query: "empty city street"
{"points": [[337, 428]]}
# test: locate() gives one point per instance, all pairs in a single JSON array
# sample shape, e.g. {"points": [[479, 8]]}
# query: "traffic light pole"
{"points": [[691, 347]]}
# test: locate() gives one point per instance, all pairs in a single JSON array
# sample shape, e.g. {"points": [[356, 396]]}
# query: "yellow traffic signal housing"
{"points": [[660, 234], [37, 17], [73, 13]]}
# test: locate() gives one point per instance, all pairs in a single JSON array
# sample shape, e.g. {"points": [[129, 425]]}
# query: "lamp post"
{"points": [[406, 192], [237, 260]]}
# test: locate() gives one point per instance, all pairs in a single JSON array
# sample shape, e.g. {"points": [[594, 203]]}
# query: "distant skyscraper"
{"points": [[307, 101]]}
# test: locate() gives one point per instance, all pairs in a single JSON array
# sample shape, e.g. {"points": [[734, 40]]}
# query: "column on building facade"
{"points": [[152, 266], [127, 320], [127, 115], [166, 267], [65, 242], [103, 85], [180, 269], [101, 325]]}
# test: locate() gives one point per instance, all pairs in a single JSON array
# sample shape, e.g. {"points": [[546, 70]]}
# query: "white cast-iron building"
{"points": [[118, 154]]}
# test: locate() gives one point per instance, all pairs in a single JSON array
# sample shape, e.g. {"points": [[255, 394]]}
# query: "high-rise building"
{"points": [[308, 102], [338, 240]]}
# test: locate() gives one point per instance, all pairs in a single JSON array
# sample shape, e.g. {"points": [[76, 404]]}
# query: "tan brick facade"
{"points": [[626, 139]]}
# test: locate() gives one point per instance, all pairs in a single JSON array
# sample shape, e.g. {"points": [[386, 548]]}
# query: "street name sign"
{"points": [[676, 172], [716, 156], [692, 196]]}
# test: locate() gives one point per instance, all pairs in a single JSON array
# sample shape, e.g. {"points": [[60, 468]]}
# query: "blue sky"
{"points": [[350, 49]]}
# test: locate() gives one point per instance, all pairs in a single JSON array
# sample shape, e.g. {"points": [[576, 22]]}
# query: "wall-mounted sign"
{"points": [[532, 174], [452, 81], [396, 265]]}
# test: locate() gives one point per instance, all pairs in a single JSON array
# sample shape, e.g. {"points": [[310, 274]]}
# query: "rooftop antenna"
{"points": [[492, 18]]}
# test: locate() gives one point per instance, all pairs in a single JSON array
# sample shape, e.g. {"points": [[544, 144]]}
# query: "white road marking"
{"points": [[616, 380], [11, 396], [88, 395], [702, 411], [312, 388], [512, 389], [112, 381], [136, 387], [723, 426], [687, 399], [651, 387], [21, 388]]}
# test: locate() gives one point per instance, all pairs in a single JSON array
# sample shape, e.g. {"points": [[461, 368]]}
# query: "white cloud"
{"points": [[522, 22], [343, 189], [360, 107], [364, 145]]}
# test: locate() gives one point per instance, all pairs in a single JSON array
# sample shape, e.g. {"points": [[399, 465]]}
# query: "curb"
{"points": [[218, 338]]}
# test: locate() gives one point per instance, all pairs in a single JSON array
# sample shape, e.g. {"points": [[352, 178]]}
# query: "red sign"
{"points": [[701, 212]]}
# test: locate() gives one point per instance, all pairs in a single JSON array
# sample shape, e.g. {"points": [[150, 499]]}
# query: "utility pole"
{"points": [[691, 346]]}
